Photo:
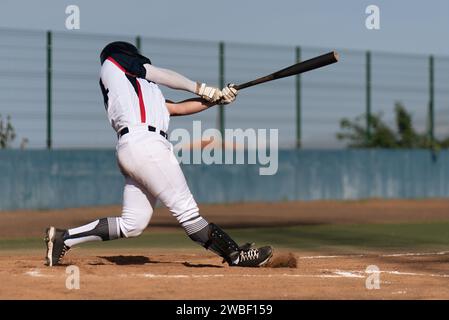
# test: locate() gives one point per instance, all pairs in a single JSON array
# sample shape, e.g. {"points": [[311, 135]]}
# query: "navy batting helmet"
{"points": [[127, 55]]}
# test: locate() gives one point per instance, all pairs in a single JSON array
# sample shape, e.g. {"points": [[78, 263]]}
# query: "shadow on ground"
{"points": [[128, 260], [141, 260]]}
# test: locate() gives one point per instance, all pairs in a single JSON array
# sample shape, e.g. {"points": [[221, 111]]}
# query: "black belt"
{"points": [[125, 130]]}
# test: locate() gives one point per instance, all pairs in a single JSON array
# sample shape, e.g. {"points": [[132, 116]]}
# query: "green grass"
{"points": [[413, 236], [348, 238]]}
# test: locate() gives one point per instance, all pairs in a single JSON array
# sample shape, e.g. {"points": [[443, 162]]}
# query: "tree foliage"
{"points": [[382, 136], [7, 132]]}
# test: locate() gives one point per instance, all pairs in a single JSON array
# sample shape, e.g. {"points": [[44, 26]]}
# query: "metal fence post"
{"points": [[368, 96], [431, 101], [138, 42], [298, 100], [49, 89], [221, 82]]}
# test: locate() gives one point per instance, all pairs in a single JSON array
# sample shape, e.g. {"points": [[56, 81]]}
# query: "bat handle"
{"points": [[245, 85], [238, 87]]}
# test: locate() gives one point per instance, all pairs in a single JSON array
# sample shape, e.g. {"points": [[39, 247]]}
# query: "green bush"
{"points": [[7, 132], [382, 136]]}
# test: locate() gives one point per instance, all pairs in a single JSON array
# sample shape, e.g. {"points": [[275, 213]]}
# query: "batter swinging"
{"points": [[140, 115]]}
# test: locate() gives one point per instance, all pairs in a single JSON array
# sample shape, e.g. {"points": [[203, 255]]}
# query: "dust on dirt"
{"points": [[283, 260]]}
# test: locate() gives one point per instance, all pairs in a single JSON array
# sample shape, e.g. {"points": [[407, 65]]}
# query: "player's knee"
{"points": [[134, 232], [133, 227]]}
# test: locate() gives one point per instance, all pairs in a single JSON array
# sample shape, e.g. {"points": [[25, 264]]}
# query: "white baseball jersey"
{"points": [[131, 101], [146, 159]]}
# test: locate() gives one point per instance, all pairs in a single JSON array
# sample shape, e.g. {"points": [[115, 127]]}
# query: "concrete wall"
{"points": [[39, 179]]}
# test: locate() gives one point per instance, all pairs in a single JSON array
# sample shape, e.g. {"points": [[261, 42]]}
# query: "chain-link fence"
{"points": [[49, 87]]}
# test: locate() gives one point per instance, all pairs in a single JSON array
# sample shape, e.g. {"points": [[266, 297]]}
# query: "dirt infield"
{"points": [[28, 223], [330, 243], [198, 275]]}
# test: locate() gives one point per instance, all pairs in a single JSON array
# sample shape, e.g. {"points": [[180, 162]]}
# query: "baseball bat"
{"points": [[297, 68]]}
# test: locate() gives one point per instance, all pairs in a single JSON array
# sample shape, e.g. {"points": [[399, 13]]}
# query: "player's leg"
{"points": [[136, 214], [162, 176], [138, 207]]}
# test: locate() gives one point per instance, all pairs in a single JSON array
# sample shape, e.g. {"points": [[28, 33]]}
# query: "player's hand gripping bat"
{"points": [[297, 68]]}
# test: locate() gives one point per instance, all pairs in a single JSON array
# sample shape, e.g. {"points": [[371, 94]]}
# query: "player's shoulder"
{"points": [[106, 64], [109, 68]]}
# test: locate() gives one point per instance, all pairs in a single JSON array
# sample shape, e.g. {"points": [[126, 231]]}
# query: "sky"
{"points": [[411, 26]]}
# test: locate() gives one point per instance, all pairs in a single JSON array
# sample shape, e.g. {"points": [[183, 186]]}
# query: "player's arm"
{"points": [[196, 105], [177, 81], [189, 106]]}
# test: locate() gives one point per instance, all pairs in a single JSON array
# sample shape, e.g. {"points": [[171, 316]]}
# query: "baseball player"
{"points": [[140, 115]]}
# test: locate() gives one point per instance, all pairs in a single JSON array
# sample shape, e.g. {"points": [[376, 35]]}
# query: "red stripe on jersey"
{"points": [[143, 116], [141, 103]]}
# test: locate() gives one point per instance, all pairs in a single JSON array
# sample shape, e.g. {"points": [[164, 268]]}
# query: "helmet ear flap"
{"points": [[144, 59]]}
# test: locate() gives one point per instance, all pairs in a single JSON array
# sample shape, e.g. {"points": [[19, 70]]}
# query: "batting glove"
{"points": [[209, 94], [229, 94]]}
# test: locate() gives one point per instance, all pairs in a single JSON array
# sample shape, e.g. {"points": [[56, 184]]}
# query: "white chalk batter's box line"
{"points": [[407, 254], [363, 274], [334, 274], [38, 274]]}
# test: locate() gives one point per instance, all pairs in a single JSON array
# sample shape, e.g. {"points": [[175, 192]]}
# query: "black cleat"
{"points": [[56, 249], [253, 257]]}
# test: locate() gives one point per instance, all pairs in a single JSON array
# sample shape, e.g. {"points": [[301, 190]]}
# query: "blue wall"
{"points": [[71, 178]]}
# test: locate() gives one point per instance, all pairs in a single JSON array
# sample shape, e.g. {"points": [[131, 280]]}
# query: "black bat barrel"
{"points": [[297, 68]]}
